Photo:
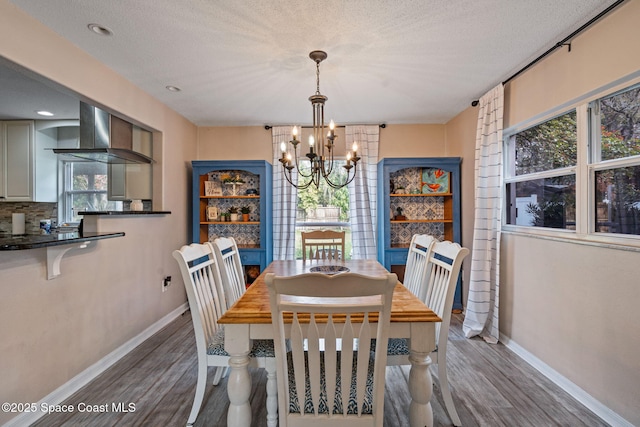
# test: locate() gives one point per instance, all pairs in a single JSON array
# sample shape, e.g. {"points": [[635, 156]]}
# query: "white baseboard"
{"points": [[63, 392], [576, 392]]}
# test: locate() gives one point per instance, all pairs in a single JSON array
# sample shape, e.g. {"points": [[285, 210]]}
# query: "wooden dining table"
{"points": [[250, 318]]}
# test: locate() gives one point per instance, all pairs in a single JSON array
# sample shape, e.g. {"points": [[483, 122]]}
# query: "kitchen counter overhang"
{"points": [[10, 242], [56, 244]]}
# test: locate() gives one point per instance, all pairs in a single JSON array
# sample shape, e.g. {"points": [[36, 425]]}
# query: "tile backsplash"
{"points": [[33, 211]]}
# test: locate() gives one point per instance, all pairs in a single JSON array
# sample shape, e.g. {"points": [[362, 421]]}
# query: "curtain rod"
{"points": [[268, 127], [561, 43]]}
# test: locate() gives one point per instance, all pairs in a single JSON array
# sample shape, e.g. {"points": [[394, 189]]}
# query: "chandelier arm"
{"points": [[287, 175], [295, 153], [348, 179]]}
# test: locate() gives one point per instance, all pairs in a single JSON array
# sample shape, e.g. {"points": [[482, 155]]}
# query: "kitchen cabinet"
{"points": [[128, 181], [417, 196], [28, 166], [219, 186], [16, 145]]}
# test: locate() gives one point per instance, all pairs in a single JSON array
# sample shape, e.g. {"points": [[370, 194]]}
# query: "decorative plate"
{"points": [[329, 269]]}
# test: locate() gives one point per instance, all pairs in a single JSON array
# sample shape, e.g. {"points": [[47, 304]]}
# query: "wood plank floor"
{"points": [[491, 387]]}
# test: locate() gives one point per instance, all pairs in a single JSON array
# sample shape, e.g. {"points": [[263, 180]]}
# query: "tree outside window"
{"points": [[617, 189]]}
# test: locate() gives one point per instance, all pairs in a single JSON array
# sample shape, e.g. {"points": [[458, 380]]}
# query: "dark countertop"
{"points": [[124, 213], [9, 242]]}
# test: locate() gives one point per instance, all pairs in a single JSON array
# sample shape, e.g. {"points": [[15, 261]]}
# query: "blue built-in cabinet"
{"points": [[417, 196], [218, 186]]}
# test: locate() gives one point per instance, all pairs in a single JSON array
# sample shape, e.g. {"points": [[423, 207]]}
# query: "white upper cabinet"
{"points": [[28, 166], [17, 160]]}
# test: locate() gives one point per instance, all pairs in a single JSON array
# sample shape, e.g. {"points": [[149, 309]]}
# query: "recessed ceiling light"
{"points": [[45, 113], [173, 88], [99, 29]]}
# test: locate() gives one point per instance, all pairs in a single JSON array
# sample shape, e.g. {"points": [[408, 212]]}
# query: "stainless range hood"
{"points": [[104, 138]]}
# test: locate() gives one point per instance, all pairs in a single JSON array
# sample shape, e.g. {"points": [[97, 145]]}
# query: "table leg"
{"points": [[420, 381], [239, 390], [237, 344], [421, 390]]}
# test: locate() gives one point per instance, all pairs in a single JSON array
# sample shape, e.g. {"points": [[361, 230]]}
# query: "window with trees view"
{"points": [[541, 174], [616, 162], [542, 164], [85, 189], [324, 208]]}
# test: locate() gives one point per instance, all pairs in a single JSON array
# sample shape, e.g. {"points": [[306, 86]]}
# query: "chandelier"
{"points": [[320, 163]]}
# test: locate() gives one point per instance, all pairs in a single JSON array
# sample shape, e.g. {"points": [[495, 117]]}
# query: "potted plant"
{"points": [[245, 211], [227, 178], [399, 216], [233, 213]]}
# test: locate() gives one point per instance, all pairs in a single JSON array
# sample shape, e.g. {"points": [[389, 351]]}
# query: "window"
{"points": [[541, 174], [615, 162], [85, 189], [324, 208], [579, 171]]}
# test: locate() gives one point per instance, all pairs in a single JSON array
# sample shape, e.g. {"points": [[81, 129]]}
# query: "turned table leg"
{"points": [[420, 381], [237, 344], [421, 390]]}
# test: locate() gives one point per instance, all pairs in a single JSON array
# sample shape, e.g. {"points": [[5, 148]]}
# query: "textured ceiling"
{"points": [[245, 62]]}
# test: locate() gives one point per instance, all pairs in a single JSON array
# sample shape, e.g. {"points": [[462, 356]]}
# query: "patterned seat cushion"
{"points": [[294, 406], [396, 346], [261, 348]]}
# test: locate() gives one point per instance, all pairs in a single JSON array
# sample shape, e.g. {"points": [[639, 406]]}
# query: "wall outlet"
{"points": [[166, 282]]}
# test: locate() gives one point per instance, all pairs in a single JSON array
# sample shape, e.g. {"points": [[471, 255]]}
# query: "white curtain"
{"points": [[481, 317], [363, 190], [285, 198]]}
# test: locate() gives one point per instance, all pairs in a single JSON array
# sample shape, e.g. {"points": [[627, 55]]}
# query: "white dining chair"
{"points": [[205, 293], [415, 273], [442, 274], [231, 271], [329, 376], [322, 245]]}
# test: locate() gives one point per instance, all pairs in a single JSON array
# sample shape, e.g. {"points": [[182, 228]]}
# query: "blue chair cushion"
{"points": [[294, 406], [261, 348]]}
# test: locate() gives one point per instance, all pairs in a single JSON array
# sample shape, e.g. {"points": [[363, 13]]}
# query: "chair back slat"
{"points": [[415, 274], [231, 271], [297, 341], [323, 245], [330, 363], [332, 325]]}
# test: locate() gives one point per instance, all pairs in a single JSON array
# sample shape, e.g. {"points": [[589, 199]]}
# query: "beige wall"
{"points": [[52, 330], [461, 142], [572, 305], [254, 143]]}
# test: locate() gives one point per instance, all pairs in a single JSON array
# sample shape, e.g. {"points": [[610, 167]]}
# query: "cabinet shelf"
{"points": [[422, 195], [416, 221], [229, 222], [231, 197]]}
